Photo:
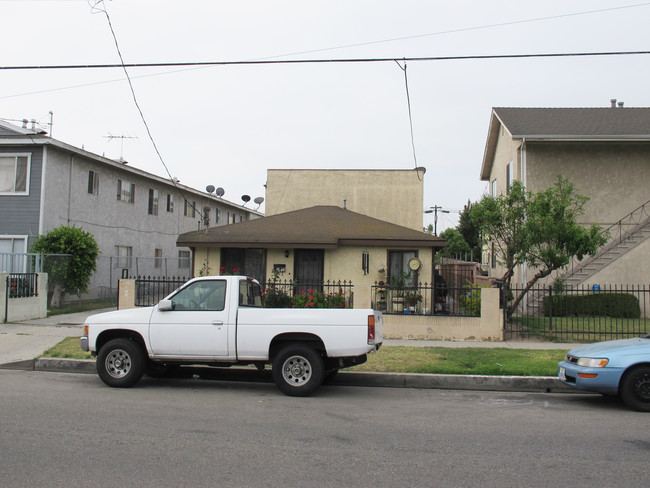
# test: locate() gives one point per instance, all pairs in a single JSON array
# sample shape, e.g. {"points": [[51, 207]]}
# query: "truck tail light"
{"points": [[371, 329]]}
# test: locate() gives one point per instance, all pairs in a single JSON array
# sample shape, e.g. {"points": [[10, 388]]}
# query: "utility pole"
{"points": [[434, 210]]}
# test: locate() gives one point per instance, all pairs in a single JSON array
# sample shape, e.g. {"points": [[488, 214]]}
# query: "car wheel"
{"points": [[120, 363], [298, 370], [635, 389]]}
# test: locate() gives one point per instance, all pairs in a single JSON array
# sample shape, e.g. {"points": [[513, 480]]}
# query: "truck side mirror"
{"points": [[165, 305]]}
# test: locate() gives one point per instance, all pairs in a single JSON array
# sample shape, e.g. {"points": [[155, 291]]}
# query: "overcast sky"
{"points": [[226, 125]]}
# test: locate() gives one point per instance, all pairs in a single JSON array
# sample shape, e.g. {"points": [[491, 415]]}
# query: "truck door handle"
{"points": [[217, 322]]}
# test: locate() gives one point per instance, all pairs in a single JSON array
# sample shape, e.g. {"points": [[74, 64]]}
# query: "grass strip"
{"points": [[424, 360], [466, 361]]}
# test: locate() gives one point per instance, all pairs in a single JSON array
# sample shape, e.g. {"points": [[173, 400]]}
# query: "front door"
{"points": [[308, 267], [198, 325]]}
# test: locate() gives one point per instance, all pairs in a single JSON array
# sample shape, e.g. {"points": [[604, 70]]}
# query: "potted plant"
{"points": [[411, 299]]}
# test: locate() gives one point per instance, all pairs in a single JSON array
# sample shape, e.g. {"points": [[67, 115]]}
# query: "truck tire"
{"points": [[635, 389], [298, 370], [120, 363]]}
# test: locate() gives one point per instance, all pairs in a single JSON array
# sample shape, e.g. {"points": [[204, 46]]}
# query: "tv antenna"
{"points": [[110, 137]]}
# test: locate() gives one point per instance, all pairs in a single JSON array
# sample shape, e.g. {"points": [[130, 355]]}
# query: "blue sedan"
{"points": [[612, 368]]}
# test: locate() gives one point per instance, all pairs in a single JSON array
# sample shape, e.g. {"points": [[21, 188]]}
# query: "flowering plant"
{"points": [[311, 298], [412, 297]]}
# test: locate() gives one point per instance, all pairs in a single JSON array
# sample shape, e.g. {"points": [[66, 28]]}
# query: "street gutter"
{"points": [[543, 384]]}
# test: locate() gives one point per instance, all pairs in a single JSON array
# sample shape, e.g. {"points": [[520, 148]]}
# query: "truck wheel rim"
{"points": [[296, 371], [118, 363]]}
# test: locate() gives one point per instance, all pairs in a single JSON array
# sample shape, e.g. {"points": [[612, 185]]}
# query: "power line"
{"points": [[96, 9], [323, 61]]}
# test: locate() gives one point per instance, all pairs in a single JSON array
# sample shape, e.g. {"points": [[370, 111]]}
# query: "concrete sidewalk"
{"points": [[21, 343]]}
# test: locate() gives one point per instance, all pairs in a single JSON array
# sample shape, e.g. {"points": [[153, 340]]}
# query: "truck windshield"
{"points": [[250, 294]]}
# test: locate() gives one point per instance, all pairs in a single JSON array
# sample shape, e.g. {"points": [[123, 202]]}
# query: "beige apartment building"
{"points": [[605, 152]]}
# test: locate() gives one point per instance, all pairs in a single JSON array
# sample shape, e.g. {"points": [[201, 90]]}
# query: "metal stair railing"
{"points": [[630, 224]]}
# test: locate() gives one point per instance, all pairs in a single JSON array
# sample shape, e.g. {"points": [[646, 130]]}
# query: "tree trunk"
{"points": [[55, 302]]}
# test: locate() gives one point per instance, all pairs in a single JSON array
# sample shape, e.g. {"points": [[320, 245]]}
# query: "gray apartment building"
{"points": [[135, 216]]}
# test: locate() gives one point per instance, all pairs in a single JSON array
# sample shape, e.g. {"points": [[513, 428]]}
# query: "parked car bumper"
{"points": [[599, 380], [83, 342]]}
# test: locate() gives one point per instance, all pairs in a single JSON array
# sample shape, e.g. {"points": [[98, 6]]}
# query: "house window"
{"points": [[216, 216], [125, 191], [157, 262], [190, 209], [14, 174], [124, 255], [153, 202], [170, 203], [93, 182], [247, 262], [399, 273], [9, 261], [183, 259], [508, 177], [493, 256], [494, 188]]}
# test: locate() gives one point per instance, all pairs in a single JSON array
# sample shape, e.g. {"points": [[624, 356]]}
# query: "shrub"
{"points": [[620, 305], [275, 298]]}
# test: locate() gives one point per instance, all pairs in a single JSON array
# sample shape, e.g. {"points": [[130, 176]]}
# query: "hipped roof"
{"points": [[320, 227]]}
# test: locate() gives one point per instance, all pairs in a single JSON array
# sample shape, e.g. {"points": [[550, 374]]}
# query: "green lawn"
{"points": [[84, 306], [402, 359]]}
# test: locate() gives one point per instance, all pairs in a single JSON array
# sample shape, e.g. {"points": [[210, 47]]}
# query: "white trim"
{"points": [[41, 216], [27, 175]]}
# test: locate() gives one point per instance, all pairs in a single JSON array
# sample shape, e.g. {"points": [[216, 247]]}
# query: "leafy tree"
{"points": [[470, 231], [538, 229], [455, 243], [72, 275]]}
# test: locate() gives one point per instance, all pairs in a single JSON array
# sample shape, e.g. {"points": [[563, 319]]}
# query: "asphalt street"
{"points": [[63, 430]]}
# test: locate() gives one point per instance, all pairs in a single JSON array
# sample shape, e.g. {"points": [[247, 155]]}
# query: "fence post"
{"points": [[550, 311], [125, 294]]}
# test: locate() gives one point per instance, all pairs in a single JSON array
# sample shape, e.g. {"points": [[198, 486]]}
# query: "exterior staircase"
{"points": [[625, 235]]}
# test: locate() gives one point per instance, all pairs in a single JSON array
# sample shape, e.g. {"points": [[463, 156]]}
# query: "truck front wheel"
{"points": [[120, 363], [298, 370]]}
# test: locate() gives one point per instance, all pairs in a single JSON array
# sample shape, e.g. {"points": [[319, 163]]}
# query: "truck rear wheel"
{"points": [[120, 363], [298, 370]]}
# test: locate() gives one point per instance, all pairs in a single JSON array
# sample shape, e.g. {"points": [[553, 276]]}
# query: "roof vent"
{"points": [[613, 103], [620, 104]]}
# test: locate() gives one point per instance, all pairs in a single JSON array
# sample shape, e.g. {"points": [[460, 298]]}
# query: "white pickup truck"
{"points": [[220, 321]]}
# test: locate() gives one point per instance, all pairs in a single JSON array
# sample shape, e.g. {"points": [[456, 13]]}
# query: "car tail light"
{"points": [[371, 329]]}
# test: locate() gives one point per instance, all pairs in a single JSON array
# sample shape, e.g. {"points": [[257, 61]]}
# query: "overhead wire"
{"points": [[95, 9], [325, 61]]}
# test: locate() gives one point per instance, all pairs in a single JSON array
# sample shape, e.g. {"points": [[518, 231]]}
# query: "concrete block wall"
{"points": [[16, 309]]}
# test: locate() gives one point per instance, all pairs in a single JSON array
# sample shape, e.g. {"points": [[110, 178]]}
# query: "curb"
{"points": [[535, 384]]}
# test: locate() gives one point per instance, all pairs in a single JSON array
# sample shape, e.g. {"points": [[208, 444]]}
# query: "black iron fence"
{"points": [[323, 294], [426, 299], [22, 285], [583, 314], [150, 290]]}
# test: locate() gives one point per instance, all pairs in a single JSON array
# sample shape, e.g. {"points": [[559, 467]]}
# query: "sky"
{"points": [[227, 125]]}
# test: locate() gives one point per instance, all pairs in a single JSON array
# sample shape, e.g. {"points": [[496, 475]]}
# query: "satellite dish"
{"points": [[220, 192], [209, 188], [245, 199], [259, 200]]}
